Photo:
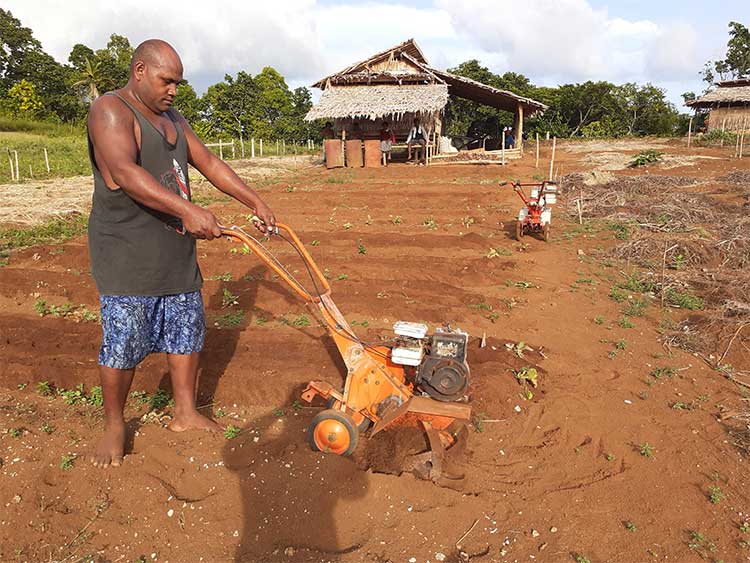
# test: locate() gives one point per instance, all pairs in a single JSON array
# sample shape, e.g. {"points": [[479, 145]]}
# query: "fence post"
{"points": [[18, 170], [536, 165], [277, 147], [232, 148], [690, 131], [283, 146], [242, 146], [552, 160], [46, 159], [261, 148], [13, 174], [502, 147], [221, 151], [252, 147]]}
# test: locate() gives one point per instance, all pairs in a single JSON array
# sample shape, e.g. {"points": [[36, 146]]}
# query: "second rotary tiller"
{"points": [[414, 380], [536, 217]]}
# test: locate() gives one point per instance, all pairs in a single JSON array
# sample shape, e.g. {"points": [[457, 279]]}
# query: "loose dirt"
{"points": [[615, 456]]}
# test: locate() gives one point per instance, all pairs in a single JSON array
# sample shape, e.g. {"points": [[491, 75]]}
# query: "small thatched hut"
{"points": [[397, 85], [729, 105]]}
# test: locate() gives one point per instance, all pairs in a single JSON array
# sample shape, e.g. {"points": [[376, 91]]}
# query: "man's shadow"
{"points": [[295, 501]]}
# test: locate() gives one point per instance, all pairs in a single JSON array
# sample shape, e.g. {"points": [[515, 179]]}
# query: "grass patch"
{"points": [[683, 300], [636, 307], [54, 231], [67, 149], [231, 319]]}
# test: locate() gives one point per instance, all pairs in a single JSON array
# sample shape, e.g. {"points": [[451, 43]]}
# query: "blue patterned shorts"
{"points": [[134, 326]]}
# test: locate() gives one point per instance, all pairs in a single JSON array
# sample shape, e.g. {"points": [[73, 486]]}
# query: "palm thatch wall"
{"points": [[733, 119]]}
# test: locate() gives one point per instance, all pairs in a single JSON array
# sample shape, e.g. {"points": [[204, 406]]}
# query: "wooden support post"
{"points": [[46, 159], [502, 150], [261, 148], [18, 170], [536, 165], [548, 135], [723, 128], [31, 172], [252, 147], [690, 130], [343, 144], [552, 160], [277, 147], [283, 146], [232, 149], [519, 129], [242, 147], [13, 174], [221, 151]]}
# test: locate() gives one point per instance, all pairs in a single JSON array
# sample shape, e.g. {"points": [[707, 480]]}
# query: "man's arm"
{"points": [[110, 126], [408, 139], [224, 178]]}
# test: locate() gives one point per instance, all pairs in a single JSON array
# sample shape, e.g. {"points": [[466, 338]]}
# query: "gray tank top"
{"points": [[136, 250]]}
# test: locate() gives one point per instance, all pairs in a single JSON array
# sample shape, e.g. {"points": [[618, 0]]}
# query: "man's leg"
{"points": [[408, 147], [115, 389], [183, 371]]}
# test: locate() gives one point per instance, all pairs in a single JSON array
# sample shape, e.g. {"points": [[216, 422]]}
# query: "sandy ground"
{"points": [[616, 456]]}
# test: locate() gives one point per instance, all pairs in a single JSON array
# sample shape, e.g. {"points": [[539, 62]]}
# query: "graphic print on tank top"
{"points": [[175, 181]]}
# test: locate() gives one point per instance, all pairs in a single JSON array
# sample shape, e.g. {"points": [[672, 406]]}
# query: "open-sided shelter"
{"points": [[398, 85], [729, 105]]}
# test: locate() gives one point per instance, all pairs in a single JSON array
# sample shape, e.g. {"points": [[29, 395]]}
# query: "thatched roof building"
{"points": [[729, 105], [398, 84]]}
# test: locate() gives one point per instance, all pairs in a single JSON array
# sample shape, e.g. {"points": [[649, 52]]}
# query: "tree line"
{"points": [[34, 86]]}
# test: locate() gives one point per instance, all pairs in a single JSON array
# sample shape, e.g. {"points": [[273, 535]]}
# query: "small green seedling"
{"points": [[301, 321], [315, 242], [527, 374], [45, 389], [228, 299], [599, 320], [646, 450], [47, 428], [715, 494], [630, 526], [621, 344], [231, 432], [396, 219], [430, 224], [278, 412], [361, 247], [658, 373], [67, 462], [478, 421], [16, 432], [610, 457], [745, 527], [624, 322]]}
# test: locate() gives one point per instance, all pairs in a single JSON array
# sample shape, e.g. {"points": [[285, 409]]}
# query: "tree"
{"points": [[91, 76], [188, 103], [736, 64], [22, 100], [22, 58]]}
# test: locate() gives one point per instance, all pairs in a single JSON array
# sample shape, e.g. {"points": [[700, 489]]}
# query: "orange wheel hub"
{"points": [[332, 436]]}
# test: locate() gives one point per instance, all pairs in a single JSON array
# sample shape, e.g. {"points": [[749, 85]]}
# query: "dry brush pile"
{"points": [[689, 235]]}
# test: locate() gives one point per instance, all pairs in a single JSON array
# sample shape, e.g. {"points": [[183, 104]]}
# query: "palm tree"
{"points": [[91, 75]]}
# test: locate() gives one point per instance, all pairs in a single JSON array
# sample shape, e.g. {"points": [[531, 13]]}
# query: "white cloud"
{"points": [[223, 38], [551, 41]]}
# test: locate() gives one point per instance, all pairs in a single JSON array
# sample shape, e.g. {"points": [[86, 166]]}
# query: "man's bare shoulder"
{"points": [[109, 111]]}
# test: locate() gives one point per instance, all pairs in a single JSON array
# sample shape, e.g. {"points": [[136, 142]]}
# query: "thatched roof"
{"points": [[476, 91], [408, 47], [377, 101], [400, 67], [729, 92]]}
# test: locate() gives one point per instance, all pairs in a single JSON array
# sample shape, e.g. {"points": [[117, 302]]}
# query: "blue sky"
{"points": [[665, 42]]}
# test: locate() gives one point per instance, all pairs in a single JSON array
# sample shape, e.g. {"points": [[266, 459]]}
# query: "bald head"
{"points": [[155, 72], [155, 52]]}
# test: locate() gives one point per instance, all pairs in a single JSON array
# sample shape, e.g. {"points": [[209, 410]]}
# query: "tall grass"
{"points": [[67, 153]]}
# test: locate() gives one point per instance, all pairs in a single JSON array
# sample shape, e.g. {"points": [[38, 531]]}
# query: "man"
{"points": [[142, 232], [510, 140], [417, 136]]}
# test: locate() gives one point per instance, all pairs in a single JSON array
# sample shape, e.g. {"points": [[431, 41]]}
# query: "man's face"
{"points": [[157, 83]]}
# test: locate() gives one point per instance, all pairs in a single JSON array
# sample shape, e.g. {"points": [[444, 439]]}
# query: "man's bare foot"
{"points": [[193, 420], [111, 447]]}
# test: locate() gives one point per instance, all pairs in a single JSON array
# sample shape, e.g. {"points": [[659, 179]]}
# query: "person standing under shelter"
{"points": [[417, 136], [387, 140], [142, 232]]}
